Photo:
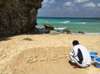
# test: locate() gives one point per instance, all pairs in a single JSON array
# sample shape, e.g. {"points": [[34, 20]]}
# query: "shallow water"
{"points": [[91, 25]]}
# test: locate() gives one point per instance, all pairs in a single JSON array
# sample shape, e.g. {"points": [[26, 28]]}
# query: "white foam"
{"points": [[65, 22], [83, 22], [62, 28]]}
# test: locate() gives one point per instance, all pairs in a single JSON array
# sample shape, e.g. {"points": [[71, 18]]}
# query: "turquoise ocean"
{"points": [[90, 25]]}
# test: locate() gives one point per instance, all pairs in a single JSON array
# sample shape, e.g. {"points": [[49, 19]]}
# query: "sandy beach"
{"points": [[44, 54]]}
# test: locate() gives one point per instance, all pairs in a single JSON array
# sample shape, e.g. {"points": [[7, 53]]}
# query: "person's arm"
{"points": [[72, 52], [75, 51]]}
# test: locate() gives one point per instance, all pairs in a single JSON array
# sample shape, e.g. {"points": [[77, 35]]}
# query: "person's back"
{"points": [[81, 50], [80, 55]]}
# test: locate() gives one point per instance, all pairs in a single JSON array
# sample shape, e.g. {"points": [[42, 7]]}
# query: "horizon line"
{"points": [[71, 17]]}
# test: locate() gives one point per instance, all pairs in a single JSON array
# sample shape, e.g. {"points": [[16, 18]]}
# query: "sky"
{"points": [[70, 8]]}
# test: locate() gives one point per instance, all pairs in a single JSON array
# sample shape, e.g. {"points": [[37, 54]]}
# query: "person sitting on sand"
{"points": [[79, 55]]}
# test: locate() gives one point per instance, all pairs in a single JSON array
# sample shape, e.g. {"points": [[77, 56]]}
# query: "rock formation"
{"points": [[18, 16]]}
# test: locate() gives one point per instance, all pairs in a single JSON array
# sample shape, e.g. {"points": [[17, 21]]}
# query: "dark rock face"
{"points": [[18, 16]]}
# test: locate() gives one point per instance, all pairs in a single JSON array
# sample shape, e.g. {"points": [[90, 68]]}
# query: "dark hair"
{"points": [[75, 42]]}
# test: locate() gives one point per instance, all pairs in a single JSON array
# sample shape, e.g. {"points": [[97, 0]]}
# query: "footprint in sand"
{"points": [[32, 59], [2, 55], [54, 58], [43, 59]]}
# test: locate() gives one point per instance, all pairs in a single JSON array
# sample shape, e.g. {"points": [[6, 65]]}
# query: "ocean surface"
{"points": [[90, 25]]}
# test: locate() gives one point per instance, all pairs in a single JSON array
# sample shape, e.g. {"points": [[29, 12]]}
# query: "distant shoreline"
{"points": [[92, 33], [76, 33]]}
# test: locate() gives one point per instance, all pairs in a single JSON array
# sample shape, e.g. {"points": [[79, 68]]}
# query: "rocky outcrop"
{"points": [[18, 16]]}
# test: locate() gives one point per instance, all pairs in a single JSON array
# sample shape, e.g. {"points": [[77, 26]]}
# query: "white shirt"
{"points": [[85, 54]]}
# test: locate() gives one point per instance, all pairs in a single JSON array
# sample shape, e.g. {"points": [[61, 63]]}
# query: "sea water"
{"points": [[90, 25]]}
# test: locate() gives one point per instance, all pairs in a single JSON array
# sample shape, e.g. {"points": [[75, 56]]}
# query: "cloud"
{"points": [[98, 5], [47, 3], [68, 4], [80, 1], [90, 5], [70, 8], [51, 1]]}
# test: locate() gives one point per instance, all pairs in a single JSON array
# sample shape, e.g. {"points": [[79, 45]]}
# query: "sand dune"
{"points": [[43, 54]]}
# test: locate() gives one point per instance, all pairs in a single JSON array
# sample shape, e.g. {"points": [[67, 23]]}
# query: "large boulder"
{"points": [[18, 16]]}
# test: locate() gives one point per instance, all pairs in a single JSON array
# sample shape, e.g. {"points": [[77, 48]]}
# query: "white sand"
{"points": [[45, 54]]}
